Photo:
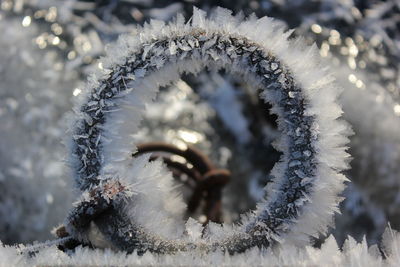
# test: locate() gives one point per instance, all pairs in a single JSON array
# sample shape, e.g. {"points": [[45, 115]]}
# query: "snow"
{"points": [[352, 254]]}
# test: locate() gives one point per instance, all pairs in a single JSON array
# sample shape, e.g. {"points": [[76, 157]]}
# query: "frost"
{"points": [[274, 66], [193, 229], [172, 48], [353, 254]]}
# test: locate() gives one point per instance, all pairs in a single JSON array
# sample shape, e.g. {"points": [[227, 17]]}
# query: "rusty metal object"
{"points": [[208, 180]]}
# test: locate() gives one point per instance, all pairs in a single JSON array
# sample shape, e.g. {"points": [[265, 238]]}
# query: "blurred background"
{"points": [[48, 48]]}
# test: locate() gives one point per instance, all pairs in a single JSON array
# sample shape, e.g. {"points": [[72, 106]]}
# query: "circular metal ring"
{"points": [[303, 198]]}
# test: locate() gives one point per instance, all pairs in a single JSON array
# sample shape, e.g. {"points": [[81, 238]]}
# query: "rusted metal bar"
{"points": [[200, 161], [209, 180]]}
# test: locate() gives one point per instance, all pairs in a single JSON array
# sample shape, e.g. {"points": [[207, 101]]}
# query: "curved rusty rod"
{"points": [[200, 161], [209, 180], [178, 168]]}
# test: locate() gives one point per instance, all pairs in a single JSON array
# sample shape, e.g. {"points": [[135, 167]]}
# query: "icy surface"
{"points": [[353, 254]]}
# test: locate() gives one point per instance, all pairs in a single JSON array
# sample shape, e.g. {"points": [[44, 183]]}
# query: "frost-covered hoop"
{"points": [[302, 199]]}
